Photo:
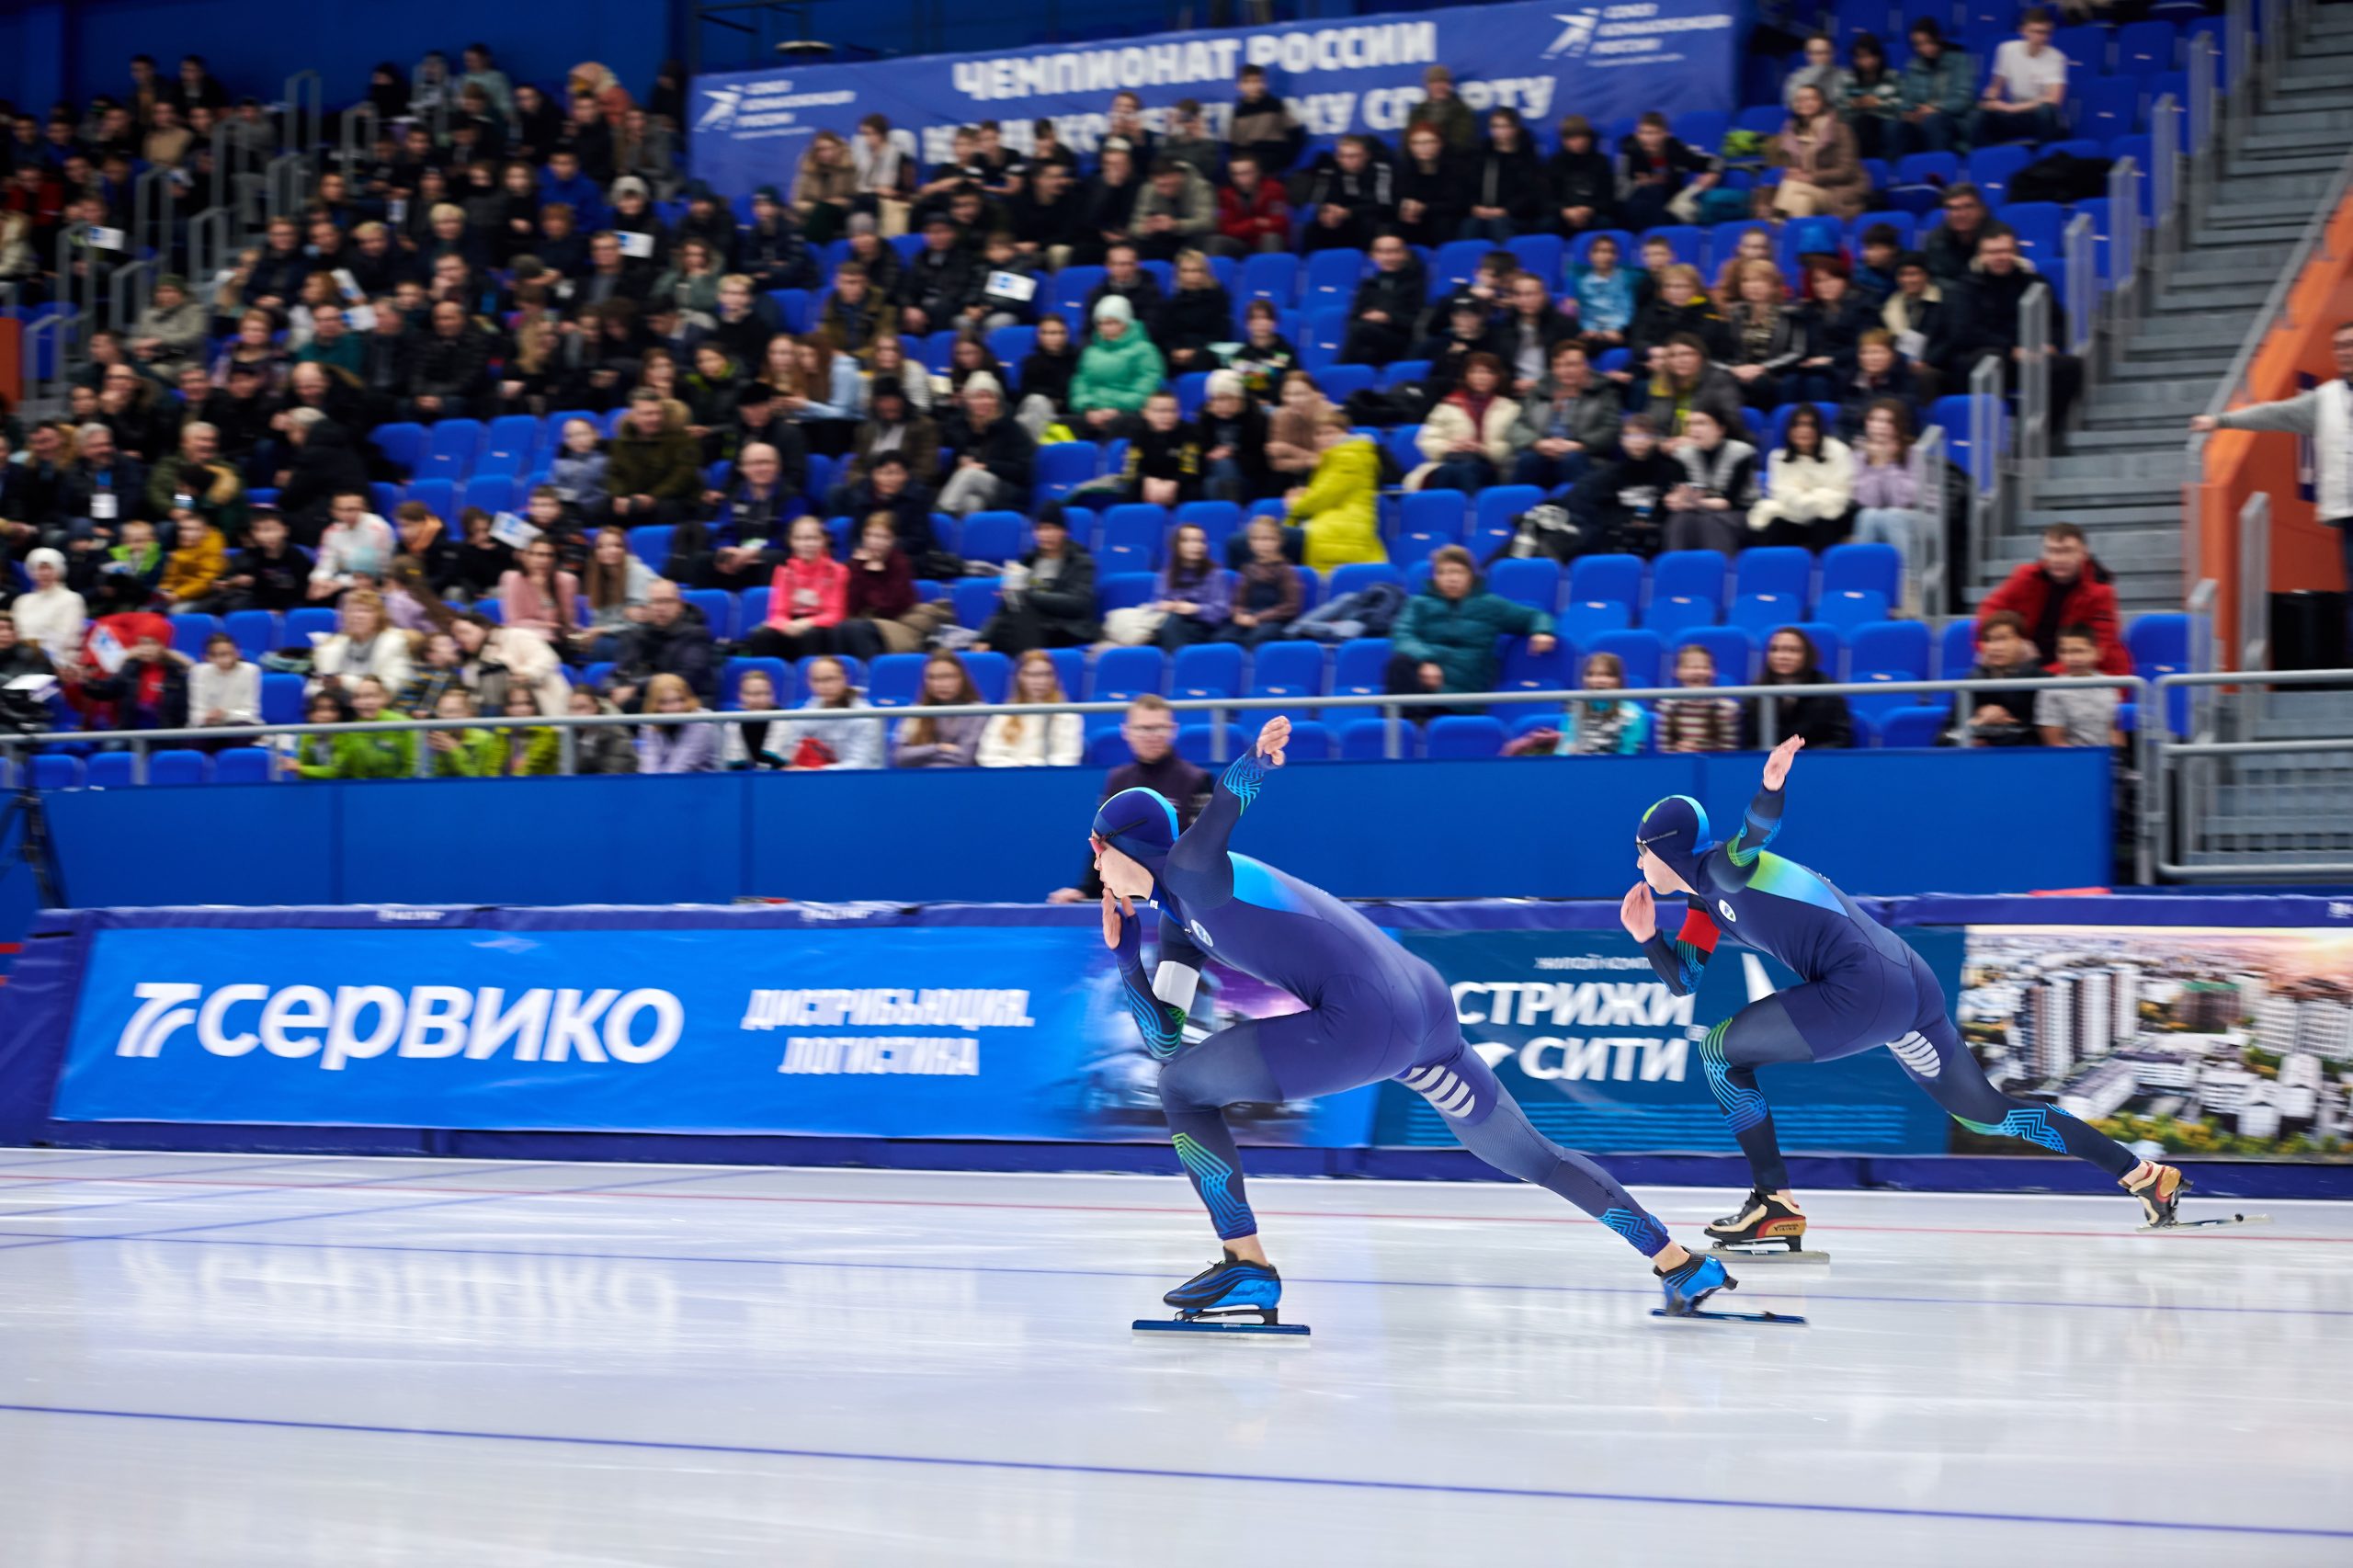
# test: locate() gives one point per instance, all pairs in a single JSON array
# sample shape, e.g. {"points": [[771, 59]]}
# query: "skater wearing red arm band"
{"points": [[1862, 987], [1374, 1011]]}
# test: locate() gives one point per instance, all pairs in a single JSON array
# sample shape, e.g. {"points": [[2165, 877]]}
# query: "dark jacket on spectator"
{"points": [[1179, 783], [683, 648], [938, 283], [1584, 179], [325, 465], [1445, 196], [280, 582], [667, 467], [454, 368], [1513, 181], [1821, 718], [1006, 449], [1049, 375], [1194, 318], [1400, 295], [1657, 321]]}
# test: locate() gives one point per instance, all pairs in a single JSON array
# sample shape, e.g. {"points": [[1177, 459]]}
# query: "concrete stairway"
{"points": [[2120, 477], [2275, 810]]}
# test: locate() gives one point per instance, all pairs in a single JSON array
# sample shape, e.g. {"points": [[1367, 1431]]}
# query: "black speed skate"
{"points": [[1218, 1297], [1764, 1228]]}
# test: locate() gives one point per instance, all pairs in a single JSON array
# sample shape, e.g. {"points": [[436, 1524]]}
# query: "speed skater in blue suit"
{"points": [[1859, 987], [1373, 1011]]}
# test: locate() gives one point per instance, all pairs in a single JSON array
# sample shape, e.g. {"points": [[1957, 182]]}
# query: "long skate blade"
{"points": [[2218, 1220], [1205, 1326], [1702, 1312], [1757, 1253]]}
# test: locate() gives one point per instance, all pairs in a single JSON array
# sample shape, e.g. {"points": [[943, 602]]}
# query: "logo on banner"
{"points": [[1576, 33], [721, 115]]}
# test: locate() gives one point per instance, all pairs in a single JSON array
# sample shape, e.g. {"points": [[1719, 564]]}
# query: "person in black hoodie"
{"points": [[1054, 605], [1992, 314], [1107, 206], [1821, 719], [1507, 190], [1044, 215], [1124, 276], [1198, 314], [1348, 198], [1046, 372], [1620, 505], [1469, 330], [994, 456], [325, 465], [770, 249], [1584, 183], [1432, 194], [1659, 178], [1234, 443], [1165, 456], [1391, 295], [268, 573], [939, 282]]}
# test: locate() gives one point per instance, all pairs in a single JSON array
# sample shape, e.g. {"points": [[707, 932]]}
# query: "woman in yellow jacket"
{"points": [[1340, 506], [195, 564]]}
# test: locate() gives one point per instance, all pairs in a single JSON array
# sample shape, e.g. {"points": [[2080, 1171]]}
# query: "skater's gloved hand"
{"points": [[1777, 767], [1273, 739], [1116, 912], [1638, 912]]}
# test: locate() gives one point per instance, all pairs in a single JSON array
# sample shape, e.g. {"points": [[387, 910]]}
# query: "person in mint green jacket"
{"points": [[1445, 638], [365, 754], [1116, 372]]}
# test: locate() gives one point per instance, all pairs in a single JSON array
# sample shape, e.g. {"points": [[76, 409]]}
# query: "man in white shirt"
{"points": [[357, 544], [2026, 89]]}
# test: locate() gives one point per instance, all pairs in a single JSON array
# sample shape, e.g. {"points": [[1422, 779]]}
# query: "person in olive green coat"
{"points": [[362, 755], [655, 467], [1117, 372], [1445, 638], [463, 753], [534, 751], [1338, 506]]}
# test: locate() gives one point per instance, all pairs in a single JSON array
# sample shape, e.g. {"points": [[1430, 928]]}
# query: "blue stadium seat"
{"points": [[242, 765], [2086, 48], [1535, 582], [510, 444], [1197, 744], [450, 452], [1205, 670], [1905, 224], [2109, 107], [2164, 645], [1525, 670], [1192, 391], [1877, 567], [1403, 372], [2147, 49], [1616, 577], [281, 694], [1491, 516], [1062, 467], [494, 492], [189, 633], [751, 610], [976, 600], [1462, 735], [1107, 748], [651, 543], [1123, 590], [384, 499], [1688, 242], [1455, 264], [1012, 345], [1671, 614], [1956, 647], [1703, 128], [718, 607], [109, 771], [1341, 382], [1640, 652], [1581, 621], [1829, 645], [1310, 742], [404, 444], [1910, 723], [1326, 330], [1775, 569], [732, 674], [1361, 668], [895, 680], [256, 632], [1367, 740], [992, 674], [1288, 669], [178, 768], [1990, 169], [1356, 577], [1539, 254], [2041, 229], [995, 536], [1689, 574], [1132, 536], [1893, 650], [1273, 277], [1123, 673], [1427, 520], [1070, 669], [57, 771], [439, 497], [1731, 647], [1331, 278], [1852, 608], [1218, 519], [310, 620], [1071, 285]]}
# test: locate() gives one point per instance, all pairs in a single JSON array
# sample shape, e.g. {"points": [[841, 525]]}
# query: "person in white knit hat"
{"points": [[52, 616], [993, 454]]}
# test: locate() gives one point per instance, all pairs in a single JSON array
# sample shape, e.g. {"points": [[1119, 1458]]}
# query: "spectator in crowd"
{"points": [[1150, 731], [1117, 372], [675, 748], [170, 332], [1618, 504], [1046, 215], [1190, 142], [1887, 491], [1917, 316], [1820, 71], [1047, 600], [1467, 437], [451, 371], [1348, 198], [1951, 247], [1679, 307], [1604, 291], [269, 572], [1262, 127], [1871, 98], [1047, 372], [2027, 89], [1507, 192], [1198, 314], [1177, 212], [1107, 206], [1810, 484], [771, 250], [1790, 659], [324, 465], [1765, 337], [1992, 317], [672, 639], [193, 569], [1194, 596], [889, 489], [2001, 716], [1832, 320], [599, 748], [366, 755], [1583, 181], [1939, 88], [2324, 415], [1470, 331], [1705, 511], [1660, 180], [1443, 110], [807, 598], [1027, 739], [994, 458], [823, 185], [578, 472], [1530, 329], [1251, 214], [540, 596], [225, 688], [879, 612], [1265, 358], [616, 583], [356, 549], [890, 426], [751, 742], [1604, 726], [365, 644], [652, 470], [2078, 716], [941, 283], [102, 485], [1821, 170], [816, 744], [1570, 418], [1164, 460], [1387, 303], [925, 742], [1125, 277], [2066, 587], [523, 751], [481, 561], [1697, 723], [1432, 193], [1336, 509], [1233, 434], [1267, 596], [1445, 638], [1687, 380], [856, 313], [197, 478]]}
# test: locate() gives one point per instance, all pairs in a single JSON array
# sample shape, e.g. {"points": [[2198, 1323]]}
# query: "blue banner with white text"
{"points": [[1363, 73]]}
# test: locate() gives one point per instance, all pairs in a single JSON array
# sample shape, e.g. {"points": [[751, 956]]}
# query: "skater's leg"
{"points": [[1228, 1068], [1940, 1063], [1733, 1050], [1492, 1125]]}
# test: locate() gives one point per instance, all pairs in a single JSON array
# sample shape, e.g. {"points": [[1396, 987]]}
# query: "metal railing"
{"points": [[1934, 573], [2165, 189], [2035, 350], [2226, 809], [211, 246], [2255, 582], [1989, 496], [2202, 108], [2124, 207], [306, 122], [155, 195], [2080, 250], [356, 132], [130, 290]]}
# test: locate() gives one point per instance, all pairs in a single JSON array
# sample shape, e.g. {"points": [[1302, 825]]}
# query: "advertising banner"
{"points": [[1604, 1058], [856, 1030], [2196, 1040], [1364, 74]]}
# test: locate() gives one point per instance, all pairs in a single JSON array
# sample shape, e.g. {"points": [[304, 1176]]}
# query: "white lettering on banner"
{"points": [[429, 1022], [1606, 1057], [1641, 1004], [885, 1008], [934, 1056]]}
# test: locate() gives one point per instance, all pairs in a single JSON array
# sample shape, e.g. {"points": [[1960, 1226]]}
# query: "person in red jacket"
{"points": [[806, 599], [1251, 213], [2067, 587]]}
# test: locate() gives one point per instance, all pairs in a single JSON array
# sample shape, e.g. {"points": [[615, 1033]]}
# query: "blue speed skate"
{"points": [[1231, 1288], [1688, 1286]]}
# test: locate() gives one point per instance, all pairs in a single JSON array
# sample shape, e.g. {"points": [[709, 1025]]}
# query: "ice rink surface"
{"points": [[292, 1363]]}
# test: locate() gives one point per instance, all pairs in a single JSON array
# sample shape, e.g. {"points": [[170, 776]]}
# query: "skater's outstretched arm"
{"points": [[1764, 819], [1201, 852], [1162, 1023], [1680, 962]]}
